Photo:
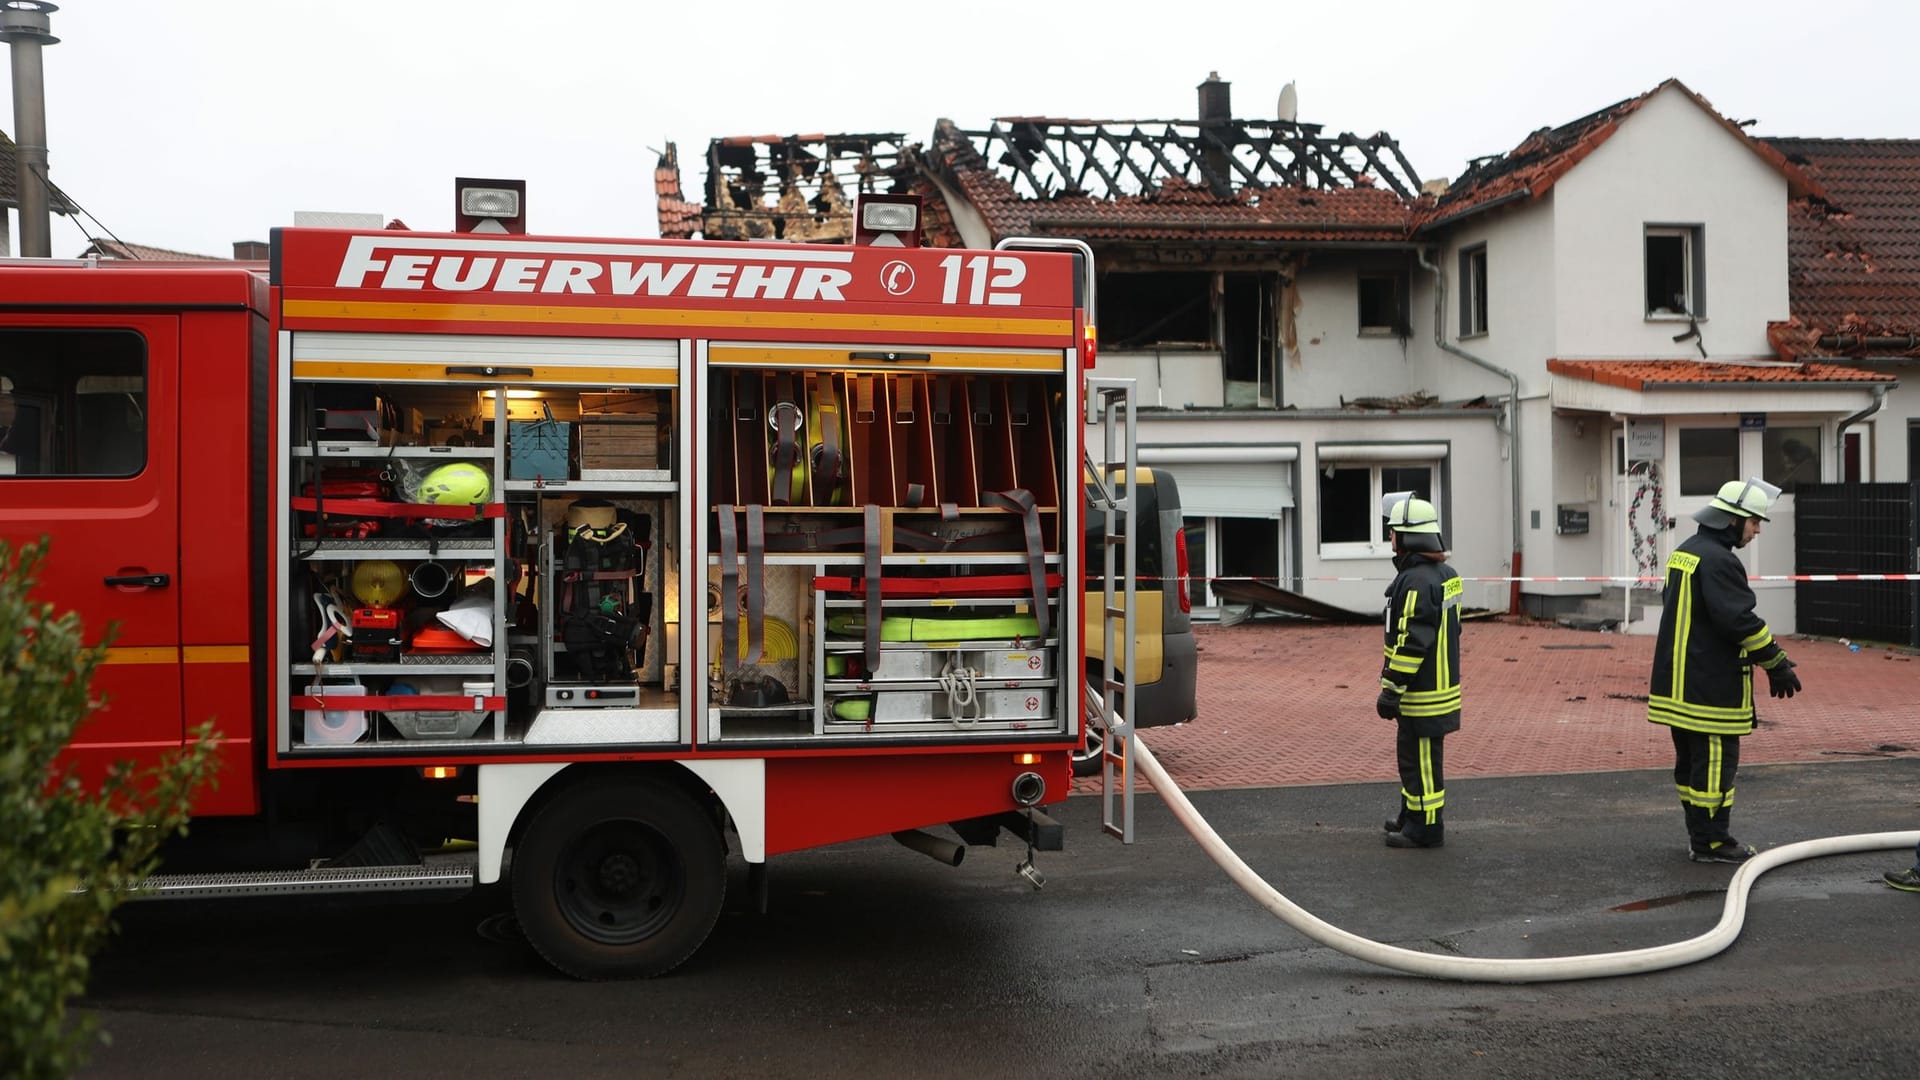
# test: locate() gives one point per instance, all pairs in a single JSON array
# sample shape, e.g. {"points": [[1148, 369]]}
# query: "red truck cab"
{"points": [[127, 437]]}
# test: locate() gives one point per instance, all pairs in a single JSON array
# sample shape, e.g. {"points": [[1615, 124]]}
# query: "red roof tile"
{"points": [[1854, 265], [1676, 374], [678, 218], [1530, 169]]}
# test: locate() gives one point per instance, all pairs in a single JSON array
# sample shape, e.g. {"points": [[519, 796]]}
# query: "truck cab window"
{"points": [[72, 403]]}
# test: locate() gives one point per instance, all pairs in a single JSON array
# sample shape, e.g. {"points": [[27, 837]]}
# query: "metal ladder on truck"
{"points": [[1110, 703], [1112, 401]]}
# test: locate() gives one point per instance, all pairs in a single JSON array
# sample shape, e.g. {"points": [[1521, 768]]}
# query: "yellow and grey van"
{"points": [[1164, 649]]}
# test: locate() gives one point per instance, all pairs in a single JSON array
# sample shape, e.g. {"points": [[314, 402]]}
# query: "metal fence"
{"points": [[1858, 529]]}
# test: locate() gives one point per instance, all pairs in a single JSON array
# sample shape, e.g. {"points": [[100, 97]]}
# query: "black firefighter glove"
{"points": [[1781, 681], [1387, 704]]}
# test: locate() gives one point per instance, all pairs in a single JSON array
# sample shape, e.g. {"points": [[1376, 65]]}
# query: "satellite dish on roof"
{"points": [[1289, 110]]}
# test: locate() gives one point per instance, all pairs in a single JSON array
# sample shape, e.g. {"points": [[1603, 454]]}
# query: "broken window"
{"points": [[1383, 304], [1250, 548], [1675, 285], [1140, 310], [1223, 320], [1473, 290], [1243, 326]]}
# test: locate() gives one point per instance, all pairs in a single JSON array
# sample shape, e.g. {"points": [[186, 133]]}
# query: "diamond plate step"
{"points": [[441, 875]]}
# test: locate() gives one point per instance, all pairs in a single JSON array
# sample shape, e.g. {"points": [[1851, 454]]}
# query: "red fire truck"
{"points": [[599, 558]]}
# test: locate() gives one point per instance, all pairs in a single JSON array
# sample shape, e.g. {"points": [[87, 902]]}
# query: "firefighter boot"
{"points": [[1414, 833], [1722, 851], [1713, 843], [1430, 836]]}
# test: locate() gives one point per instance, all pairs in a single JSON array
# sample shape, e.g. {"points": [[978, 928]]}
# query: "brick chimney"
{"points": [[1216, 117], [250, 251], [1216, 100]]}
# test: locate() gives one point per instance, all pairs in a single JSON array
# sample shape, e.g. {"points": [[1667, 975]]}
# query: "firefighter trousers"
{"points": [[1423, 786], [1703, 768]]}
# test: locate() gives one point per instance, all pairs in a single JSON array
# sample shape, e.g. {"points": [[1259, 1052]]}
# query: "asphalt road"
{"points": [[1133, 961]]}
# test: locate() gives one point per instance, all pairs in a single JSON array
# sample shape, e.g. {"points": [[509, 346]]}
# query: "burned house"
{"points": [[1310, 325]]}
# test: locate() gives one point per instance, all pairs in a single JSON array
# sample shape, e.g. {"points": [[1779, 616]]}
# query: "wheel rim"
{"points": [[619, 882], [1096, 740]]}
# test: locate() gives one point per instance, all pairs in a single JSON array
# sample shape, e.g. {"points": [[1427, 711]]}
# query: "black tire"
{"points": [[619, 879]]}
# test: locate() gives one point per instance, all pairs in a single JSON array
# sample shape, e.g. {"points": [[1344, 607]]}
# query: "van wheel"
{"points": [[1087, 762], [613, 879]]}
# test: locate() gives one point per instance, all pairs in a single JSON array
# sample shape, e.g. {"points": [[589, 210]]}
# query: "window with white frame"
{"points": [[1676, 285], [1383, 305], [1350, 494], [1473, 290]]}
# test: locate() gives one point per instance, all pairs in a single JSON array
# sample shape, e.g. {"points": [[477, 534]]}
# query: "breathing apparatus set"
{"points": [[601, 611]]}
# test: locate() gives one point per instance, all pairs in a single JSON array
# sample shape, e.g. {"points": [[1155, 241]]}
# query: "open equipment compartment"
{"points": [[481, 558], [896, 512]]}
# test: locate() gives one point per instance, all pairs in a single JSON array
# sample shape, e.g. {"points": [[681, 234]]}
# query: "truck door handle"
{"points": [[491, 372], [139, 581]]}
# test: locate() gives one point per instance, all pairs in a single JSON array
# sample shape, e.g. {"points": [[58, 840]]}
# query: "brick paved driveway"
{"points": [[1292, 703]]}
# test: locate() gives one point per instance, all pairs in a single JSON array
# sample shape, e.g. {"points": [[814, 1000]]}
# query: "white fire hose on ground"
{"points": [[1488, 969]]}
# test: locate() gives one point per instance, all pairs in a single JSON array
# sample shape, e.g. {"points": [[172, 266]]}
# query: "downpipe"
{"points": [[1513, 411], [933, 847], [1488, 969], [1840, 429]]}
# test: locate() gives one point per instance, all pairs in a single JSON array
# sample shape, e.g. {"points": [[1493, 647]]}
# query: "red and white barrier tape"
{"points": [[1635, 580]]}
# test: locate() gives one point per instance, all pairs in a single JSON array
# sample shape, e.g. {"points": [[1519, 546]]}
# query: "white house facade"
{"points": [[1567, 348]]}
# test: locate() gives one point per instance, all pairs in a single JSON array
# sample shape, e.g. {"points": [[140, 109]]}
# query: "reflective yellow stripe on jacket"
{"points": [[1404, 665]]}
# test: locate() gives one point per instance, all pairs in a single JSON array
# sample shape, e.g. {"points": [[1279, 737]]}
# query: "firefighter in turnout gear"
{"points": [[1420, 681], [1710, 640]]}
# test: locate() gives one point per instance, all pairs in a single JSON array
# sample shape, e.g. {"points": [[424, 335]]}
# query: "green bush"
{"points": [[66, 853]]}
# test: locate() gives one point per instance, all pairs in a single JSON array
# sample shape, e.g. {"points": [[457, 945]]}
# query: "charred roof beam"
{"points": [[1017, 156], [1154, 146], [1338, 159], [1090, 158], [1123, 149], [1068, 185], [1220, 156], [1222, 185]]}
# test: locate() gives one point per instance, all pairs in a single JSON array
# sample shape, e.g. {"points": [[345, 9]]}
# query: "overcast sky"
{"points": [[189, 125]]}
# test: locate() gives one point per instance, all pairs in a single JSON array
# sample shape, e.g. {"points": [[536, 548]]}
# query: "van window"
{"points": [[72, 403], [1146, 554]]}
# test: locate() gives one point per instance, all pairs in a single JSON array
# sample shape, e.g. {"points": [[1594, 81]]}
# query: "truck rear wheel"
{"points": [[614, 879]]}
